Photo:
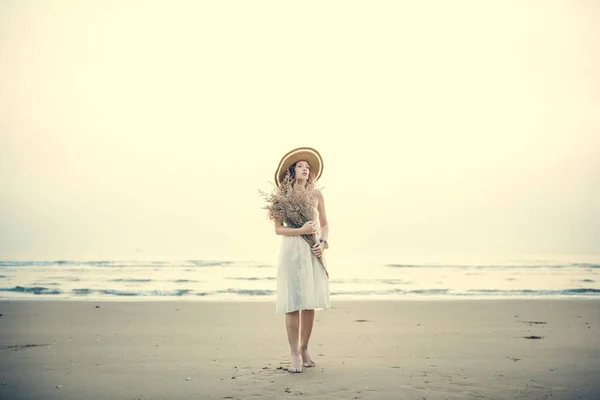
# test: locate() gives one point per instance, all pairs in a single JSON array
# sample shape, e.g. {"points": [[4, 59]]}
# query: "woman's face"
{"points": [[302, 170]]}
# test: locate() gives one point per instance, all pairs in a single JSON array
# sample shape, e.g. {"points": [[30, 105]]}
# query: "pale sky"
{"points": [[144, 129]]}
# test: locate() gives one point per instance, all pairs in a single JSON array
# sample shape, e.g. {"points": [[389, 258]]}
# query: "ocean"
{"points": [[199, 280]]}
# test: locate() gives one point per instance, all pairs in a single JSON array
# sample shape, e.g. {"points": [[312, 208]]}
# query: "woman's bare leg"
{"points": [[292, 325], [307, 319]]}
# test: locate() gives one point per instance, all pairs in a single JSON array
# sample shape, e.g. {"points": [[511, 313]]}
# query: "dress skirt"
{"points": [[301, 280]]}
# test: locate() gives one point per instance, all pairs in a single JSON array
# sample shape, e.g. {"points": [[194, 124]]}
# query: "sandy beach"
{"points": [[461, 349]]}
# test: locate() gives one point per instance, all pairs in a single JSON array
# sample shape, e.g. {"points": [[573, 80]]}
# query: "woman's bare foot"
{"points": [[295, 363], [306, 360]]}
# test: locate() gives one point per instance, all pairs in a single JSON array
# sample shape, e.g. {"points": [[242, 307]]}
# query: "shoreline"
{"points": [[251, 299]]}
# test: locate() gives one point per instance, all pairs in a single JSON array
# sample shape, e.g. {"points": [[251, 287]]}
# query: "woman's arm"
{"points": [[318, 248], [287, 231], [323, 217]]}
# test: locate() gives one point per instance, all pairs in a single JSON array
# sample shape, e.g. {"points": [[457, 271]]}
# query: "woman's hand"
{"points": [[317, 249], [309, 228]]}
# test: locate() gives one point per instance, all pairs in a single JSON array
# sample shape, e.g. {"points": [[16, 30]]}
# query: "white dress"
{"points": [[301, 280]]}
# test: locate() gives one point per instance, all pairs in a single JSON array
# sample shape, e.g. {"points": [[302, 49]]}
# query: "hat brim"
{"points": [[310, 155]]}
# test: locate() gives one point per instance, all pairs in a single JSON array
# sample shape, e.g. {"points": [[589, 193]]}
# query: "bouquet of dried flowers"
{"points": [[295, 206]]}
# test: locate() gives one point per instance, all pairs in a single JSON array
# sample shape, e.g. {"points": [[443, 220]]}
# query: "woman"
{"points": [[302, 279]]}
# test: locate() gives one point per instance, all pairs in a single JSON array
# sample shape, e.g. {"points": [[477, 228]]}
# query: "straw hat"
{"points": [[308, 154]]}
